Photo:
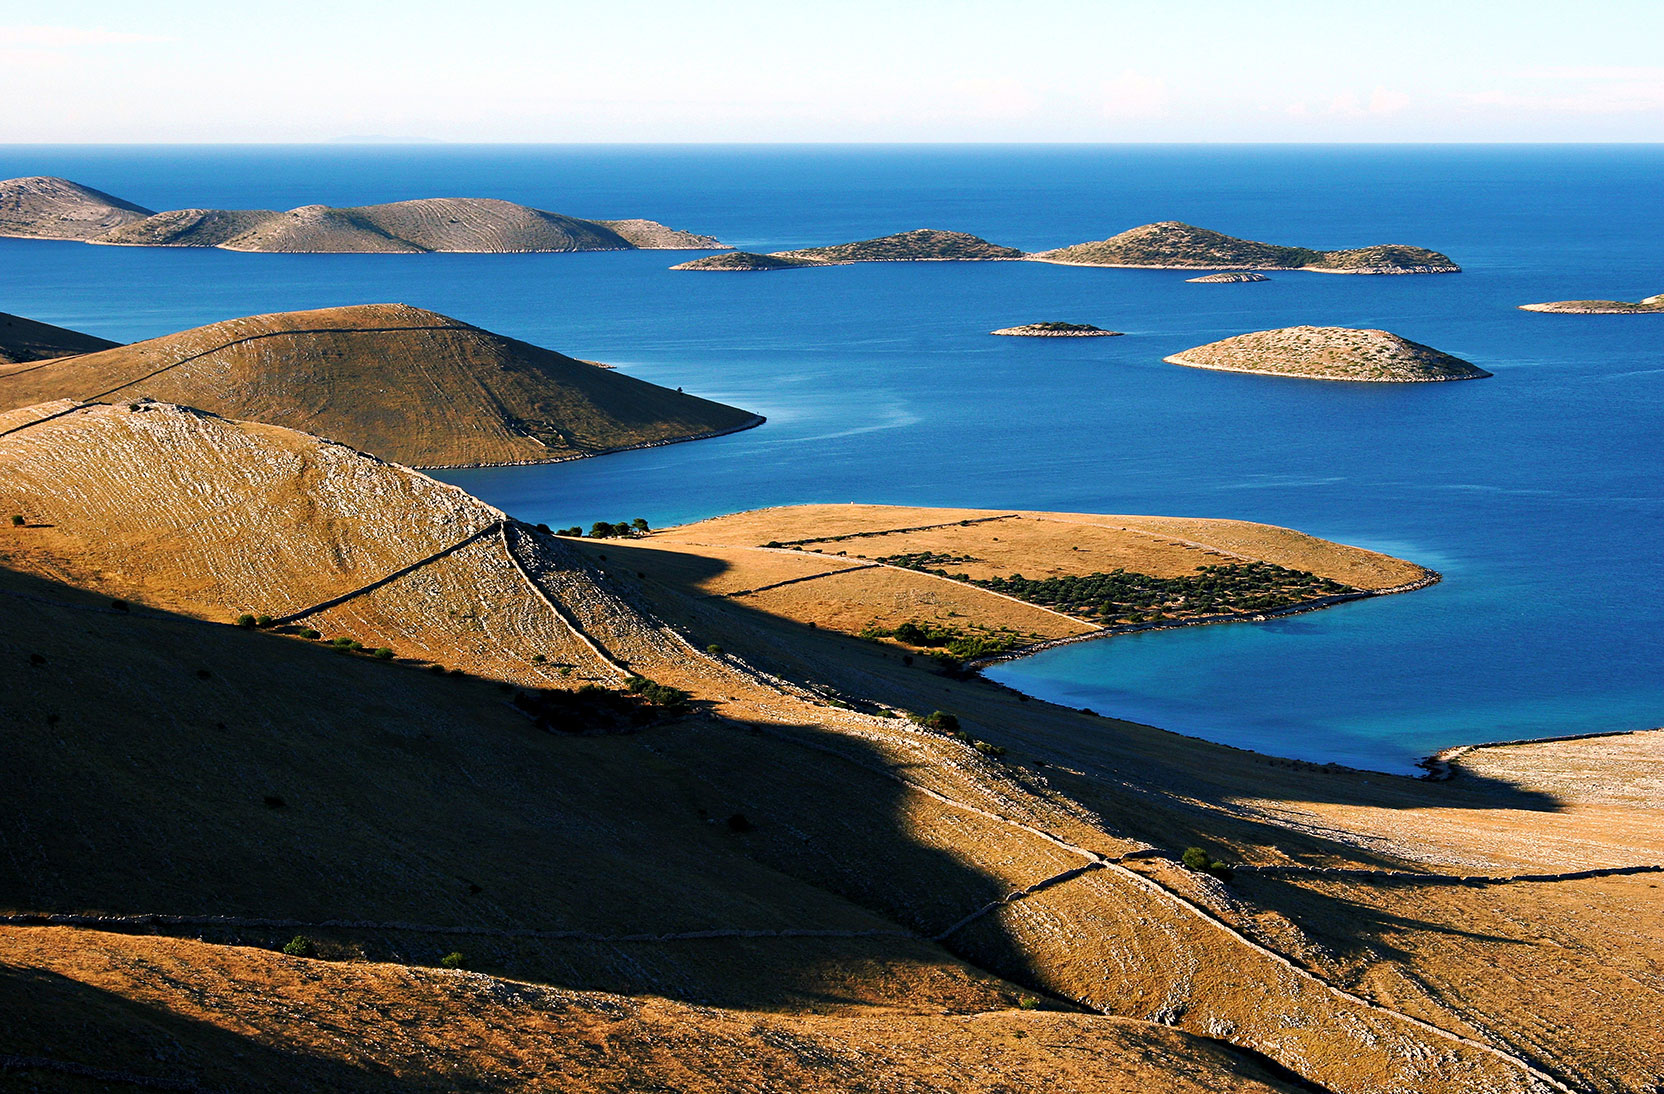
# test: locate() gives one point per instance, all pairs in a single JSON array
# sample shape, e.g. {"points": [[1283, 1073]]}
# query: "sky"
{"points": [[851, 71]]}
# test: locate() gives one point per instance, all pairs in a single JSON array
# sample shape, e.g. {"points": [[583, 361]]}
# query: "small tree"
{"points": [[639, 526], [600, 530], [19, 521], [245, 620], [453, 960], [300, 946]]}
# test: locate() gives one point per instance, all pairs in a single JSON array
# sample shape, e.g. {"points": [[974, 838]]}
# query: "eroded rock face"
{"points": [[1329, 353]]}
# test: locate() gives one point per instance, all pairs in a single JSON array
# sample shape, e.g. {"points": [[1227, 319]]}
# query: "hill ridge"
{"points": [[41, 207], [1173, 244], [406, 383]]}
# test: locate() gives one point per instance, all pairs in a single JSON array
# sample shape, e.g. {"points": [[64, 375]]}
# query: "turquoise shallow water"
{"points": [[1537, 492]]}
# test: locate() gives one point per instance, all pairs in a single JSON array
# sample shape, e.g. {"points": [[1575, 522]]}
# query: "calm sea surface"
{"points": [[1537, 493]]}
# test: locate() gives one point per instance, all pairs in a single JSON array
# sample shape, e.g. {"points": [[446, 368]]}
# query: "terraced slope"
{"points": [[25, 340], [407, 384], [1652, 305], [1172, 244], [919, 245], [42, 207], [58, 209], [1329, 353], [788, 846]]}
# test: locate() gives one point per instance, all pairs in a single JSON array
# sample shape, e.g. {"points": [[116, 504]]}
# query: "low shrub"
{"points": [[309, 633], [382, 654], [19, 521], [1199, 860], [245, 621], [300, 946], [714, 650], [453, 960], [940, 721], [262, 621]]}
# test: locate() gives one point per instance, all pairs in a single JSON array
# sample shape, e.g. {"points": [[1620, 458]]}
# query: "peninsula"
{"points": [[24, 340], [919, 245], [1329, 353], [1057, 330], [1174, 245], [1652, 305], [408, 384], [54, 208]]}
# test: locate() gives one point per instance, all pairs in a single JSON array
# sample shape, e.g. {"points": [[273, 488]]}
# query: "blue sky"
{"points": [[926, 70]]}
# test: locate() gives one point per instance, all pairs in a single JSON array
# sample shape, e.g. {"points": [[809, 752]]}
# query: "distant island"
{"points": [[1651, 305], [24, 340], [410, 385], [746, 261], [1058, 330], [55, 208], [1177, 246], [1329, 353], [919, 245], [1226, 278]]}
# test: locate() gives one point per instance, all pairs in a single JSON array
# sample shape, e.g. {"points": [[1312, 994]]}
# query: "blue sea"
{"points": [[1537, 493]]}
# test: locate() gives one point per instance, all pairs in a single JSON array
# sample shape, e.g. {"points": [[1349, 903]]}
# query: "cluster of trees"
{"points": [[1127, 597], [959, 644], [603, 529], [595, 709]]}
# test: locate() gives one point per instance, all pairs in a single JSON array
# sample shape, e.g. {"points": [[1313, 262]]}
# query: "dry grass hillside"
{"points": [[53, 208], [42, 207], [1329, 353], [25, 340], [1172, 244], [117, 1003], [407, 384], [984, 583], [783, 844]]}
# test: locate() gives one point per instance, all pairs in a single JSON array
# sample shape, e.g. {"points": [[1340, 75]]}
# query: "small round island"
{"points": [[1057, 330], [1329, 353]]}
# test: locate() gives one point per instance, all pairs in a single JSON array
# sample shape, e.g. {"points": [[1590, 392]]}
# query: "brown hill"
{"points": [[42, 207], [24, 340], [406, 384], [1329, 353], [1172, 244], [54, 208], [788, 845]]}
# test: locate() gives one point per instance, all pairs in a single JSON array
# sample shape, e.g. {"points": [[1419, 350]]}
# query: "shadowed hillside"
{"points": [[781, 838], [52, 208], [24, 340], [407, 384]]}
